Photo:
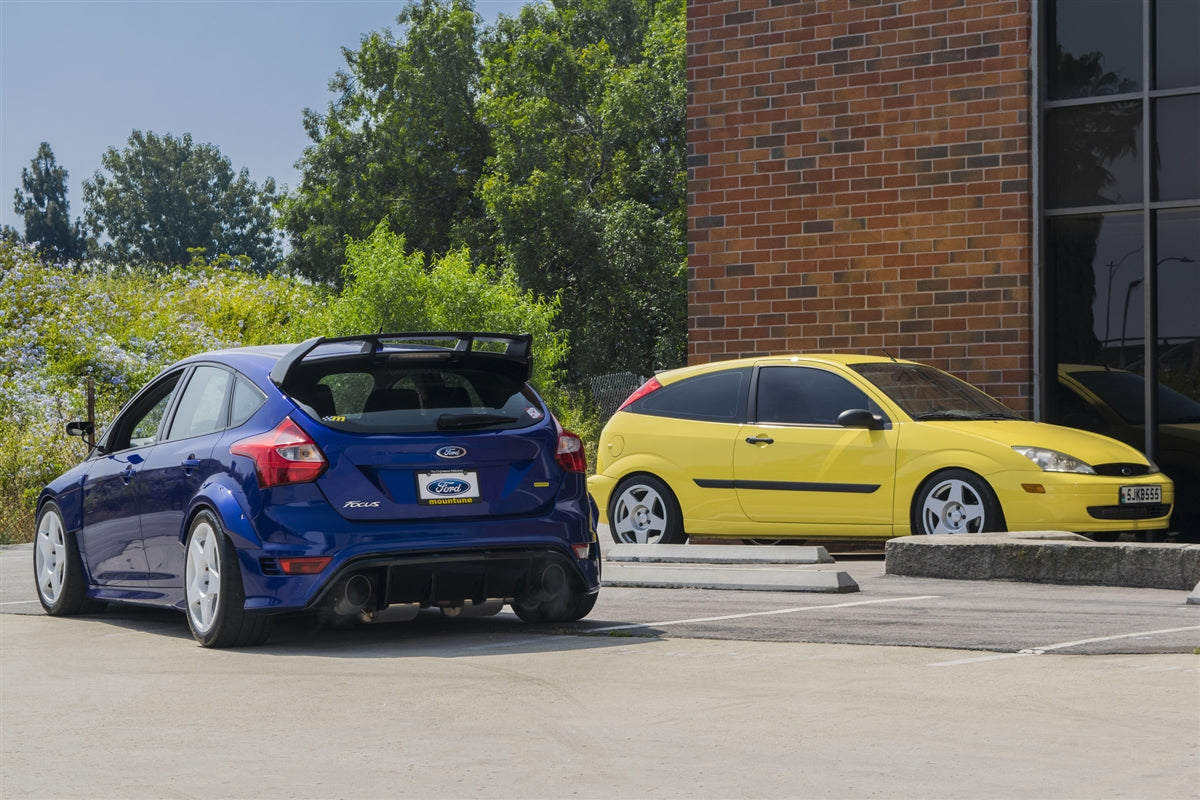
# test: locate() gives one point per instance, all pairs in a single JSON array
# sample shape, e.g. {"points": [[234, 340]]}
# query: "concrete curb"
{"points": [[713, 576], [1046, 557], [716, 554]]}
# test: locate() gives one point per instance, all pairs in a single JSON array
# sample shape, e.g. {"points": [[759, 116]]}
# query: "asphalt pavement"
{"points": [[909, 687]]}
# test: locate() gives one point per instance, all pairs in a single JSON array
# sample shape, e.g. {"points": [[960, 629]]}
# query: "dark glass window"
{"points": [[1124, 393], [376, 396], [1095, 267], [247, 398], [715, 396], [1094, 154], [806, 396], [1177, 146], [202, 408], [139, 423], [1176, 33], [1096, 48], [1178, 276]]}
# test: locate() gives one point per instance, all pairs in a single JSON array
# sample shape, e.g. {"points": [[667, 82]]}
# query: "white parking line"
{"points": [[634, 625], [1037, 651]]}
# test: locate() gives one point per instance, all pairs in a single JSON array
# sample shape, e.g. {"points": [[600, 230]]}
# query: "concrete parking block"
{"points": [[1045, 557], [717, 554], [714, 576]]}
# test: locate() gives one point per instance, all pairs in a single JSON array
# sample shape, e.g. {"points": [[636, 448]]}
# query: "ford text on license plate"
{"points": [[1132, 495], [447, 487]]}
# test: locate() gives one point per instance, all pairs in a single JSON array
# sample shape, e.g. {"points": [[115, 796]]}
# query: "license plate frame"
{"points": [[445, 487], [1140, 495]]}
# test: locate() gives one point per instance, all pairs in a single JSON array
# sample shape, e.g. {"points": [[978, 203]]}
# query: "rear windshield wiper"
{"points": [[460, 421]]}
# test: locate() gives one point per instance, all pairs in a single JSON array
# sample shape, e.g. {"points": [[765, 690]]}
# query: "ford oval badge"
{"points": [[448, 487], [451, 451]]}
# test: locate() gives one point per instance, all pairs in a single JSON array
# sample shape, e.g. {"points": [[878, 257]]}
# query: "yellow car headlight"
{"points": [[1054, 461]]}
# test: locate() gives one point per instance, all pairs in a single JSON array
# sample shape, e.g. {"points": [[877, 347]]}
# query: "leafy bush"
{"points": [[119, 327]]}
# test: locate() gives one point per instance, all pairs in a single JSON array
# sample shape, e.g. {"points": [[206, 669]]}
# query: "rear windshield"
{"points": [[378, 397]]}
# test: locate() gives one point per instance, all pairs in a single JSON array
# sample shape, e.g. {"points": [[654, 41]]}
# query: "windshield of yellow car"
{"points": [[925, 393]]}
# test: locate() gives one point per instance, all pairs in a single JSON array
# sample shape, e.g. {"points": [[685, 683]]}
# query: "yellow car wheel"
{"points": [[643, 510], [956, 501]]}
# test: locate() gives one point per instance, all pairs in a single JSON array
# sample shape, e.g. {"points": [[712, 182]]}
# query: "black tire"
{"points": [[58, 569], [956, 501], [213, 593], [643, 510]]}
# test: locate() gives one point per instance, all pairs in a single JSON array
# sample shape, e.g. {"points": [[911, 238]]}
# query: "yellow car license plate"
{"points": [[1133, 495]]}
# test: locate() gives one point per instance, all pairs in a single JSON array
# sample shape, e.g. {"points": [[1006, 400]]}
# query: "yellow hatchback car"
{"points": [[838, 446]]}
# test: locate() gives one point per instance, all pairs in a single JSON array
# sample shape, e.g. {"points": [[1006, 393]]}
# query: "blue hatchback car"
{"points": [[341, 476]]}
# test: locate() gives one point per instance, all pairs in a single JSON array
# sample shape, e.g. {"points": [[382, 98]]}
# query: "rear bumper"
{"points": [[422, 563]]}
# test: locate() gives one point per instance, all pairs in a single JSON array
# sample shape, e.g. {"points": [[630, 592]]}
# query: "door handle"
{"points": [[127, 474], [190, 463], [759, 440]]}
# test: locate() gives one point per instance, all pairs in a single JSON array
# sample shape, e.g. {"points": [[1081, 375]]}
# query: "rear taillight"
{"points": [[643, 390], [282, 456], [570, 455]]}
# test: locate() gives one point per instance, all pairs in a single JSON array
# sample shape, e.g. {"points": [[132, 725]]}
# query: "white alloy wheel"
{"points": [[57, 568], [202, 580], [50, 557], [956, 502], [643, 511]]}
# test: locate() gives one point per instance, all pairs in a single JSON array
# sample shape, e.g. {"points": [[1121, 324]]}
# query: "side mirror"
{"points": [[860, 418], [80, 428]]}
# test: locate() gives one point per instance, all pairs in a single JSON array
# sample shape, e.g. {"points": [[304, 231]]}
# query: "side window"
{"points": [[806, 396], [145, 430], [716, 397], [247, 398], [139, 425], [202, 409]]}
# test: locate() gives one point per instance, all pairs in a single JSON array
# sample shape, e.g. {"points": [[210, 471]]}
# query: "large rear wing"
{"points": [[513, 349]]}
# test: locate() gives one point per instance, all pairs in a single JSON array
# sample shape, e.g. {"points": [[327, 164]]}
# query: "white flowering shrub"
{"points": [[60, 326]]}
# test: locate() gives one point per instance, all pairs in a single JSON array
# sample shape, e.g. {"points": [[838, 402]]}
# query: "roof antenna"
{"points": [[886, 353]]}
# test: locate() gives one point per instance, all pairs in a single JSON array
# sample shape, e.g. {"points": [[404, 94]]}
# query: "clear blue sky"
{"points": [[83, 74]]}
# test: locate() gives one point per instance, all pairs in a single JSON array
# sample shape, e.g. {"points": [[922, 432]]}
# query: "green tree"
{"points": [[402, 142], [163, 198], [553, 144], [42, 202], [389, 287], [585, 101]]}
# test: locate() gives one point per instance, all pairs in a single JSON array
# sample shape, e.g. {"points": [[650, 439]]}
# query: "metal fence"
{"points": [[609, 391]]}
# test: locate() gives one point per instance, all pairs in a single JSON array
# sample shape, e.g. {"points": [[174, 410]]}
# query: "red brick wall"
{"points": [[859, 180]]}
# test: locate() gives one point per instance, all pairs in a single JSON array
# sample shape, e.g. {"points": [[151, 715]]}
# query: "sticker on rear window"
{"points": [[536, 413]]}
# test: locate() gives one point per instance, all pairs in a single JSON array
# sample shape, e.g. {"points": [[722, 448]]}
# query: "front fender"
{"points": [[911, 473]]}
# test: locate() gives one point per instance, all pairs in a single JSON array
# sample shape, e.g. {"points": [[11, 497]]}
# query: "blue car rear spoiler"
{"points": [[514, 348]]}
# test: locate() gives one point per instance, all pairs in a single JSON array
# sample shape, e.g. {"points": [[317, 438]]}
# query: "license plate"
{"points": [[447, 487], [1133, 495]]}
